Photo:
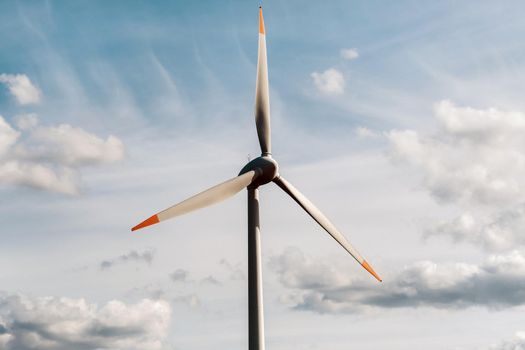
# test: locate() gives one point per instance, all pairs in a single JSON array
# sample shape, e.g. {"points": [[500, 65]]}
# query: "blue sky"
{"points": [[403, 121]]}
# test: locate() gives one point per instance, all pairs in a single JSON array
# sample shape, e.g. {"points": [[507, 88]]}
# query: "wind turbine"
{"points": [[260, 171]]}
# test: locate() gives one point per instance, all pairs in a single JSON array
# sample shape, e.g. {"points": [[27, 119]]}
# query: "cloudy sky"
{"points": [[403, 121]]}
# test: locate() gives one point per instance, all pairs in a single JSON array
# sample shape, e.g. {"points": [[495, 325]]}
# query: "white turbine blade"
{"points": [[262, 95], [322, 220], [208, 197]]}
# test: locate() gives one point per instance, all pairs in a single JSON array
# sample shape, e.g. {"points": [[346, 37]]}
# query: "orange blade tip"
{"points": [[371, 270], [261, 21], [149, 221]]}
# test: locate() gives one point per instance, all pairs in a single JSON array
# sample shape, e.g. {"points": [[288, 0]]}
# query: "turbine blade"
{"points": [[206, 198], [322, 220], [262, 95]]}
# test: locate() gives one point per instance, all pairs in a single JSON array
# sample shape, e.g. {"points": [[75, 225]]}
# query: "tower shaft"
{"points": [[255, 295]]}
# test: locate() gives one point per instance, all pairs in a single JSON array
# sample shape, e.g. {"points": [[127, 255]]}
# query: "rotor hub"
{"points": [[266, 167]]}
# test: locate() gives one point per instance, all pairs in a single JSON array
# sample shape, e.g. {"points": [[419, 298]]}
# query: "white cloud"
{"points": [[26, 121], [8, 136], [462, 228], [49, 158], [62, 323], [476, 159], [39, 176], [21, 88], [66, 144], [478, 156], [503, 231], [295, 270], [365, 133], [518, 343], [316, 285], [489, 126], [349, 54], [329, 82]]}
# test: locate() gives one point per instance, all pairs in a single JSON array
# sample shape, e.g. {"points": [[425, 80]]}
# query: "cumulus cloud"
{"points": [[315, 285], [8, 136], [477, 157], [26, 121], [21, 88], [63, 324], [349, 54], [503, 231], [49, 158], [518, 343], [39, 176], [68, 145], [295, 270], [133, 256], [329, 82]]}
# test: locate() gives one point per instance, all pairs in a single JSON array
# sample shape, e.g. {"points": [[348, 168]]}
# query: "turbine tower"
{"points": [[260, 171]]}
